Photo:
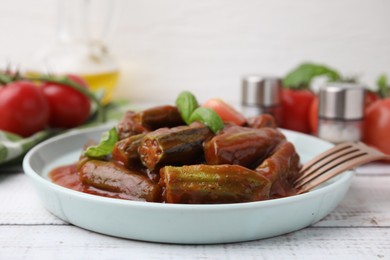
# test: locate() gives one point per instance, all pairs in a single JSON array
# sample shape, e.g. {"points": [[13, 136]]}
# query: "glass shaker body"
{"points": [[261, 95], [251, 111], [338, 131], [341, 112]]}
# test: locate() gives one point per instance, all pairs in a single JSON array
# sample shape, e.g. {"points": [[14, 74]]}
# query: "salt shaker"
{"points": [[341, 112], [261, 95]]}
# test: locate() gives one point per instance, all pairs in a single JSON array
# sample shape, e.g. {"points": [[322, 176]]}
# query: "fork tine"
{"points": [[324, 158], [325, 154], [325, 161], [372, 151], [348, 164], [357, 154], [330, 164]]}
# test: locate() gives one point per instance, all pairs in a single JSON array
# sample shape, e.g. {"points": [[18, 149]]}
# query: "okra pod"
{"points": [[126, 150], [174, 146], [263, 120], [128, 126], [208, 184], [242, 145], [149, 120], [111, 177], [160, 116], [281, 168]]}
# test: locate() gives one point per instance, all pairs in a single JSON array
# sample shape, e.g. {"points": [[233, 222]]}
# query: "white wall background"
{"points": [[205, 46]]}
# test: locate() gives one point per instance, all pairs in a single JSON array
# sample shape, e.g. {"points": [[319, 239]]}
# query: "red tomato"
{"points": [[225, 111], [377, 125], [313, 116], [295, 105], [68, 107], [78, 80], [23, 108], [370, 98]]}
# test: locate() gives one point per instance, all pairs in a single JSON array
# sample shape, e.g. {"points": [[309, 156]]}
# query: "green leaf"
{"points": [[5, 78], [186, 104], [383, 86], [302, 76], [3, 153], [208, 117], [13, 146], [105, 146]]}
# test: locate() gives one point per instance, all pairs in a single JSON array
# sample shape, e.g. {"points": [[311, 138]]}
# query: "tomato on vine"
{"points": [[24, 109], [377, 125], [376, 131], [68, 106], [296, 105]]}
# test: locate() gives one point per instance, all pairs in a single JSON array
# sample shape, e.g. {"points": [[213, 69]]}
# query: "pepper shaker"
{"points": [[341, 112], [261, 95]]}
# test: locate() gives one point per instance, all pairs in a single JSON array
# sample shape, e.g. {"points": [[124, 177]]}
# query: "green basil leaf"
{"points": [[208, 117], [301, 77], [186, 104], [105, 146], [383, 86]]}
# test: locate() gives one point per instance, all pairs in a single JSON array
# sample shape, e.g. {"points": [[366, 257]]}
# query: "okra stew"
{"points": [[186, 154]]}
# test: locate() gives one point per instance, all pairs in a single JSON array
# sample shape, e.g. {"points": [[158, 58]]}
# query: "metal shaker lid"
{"points": [[261, 91], [341, 101]]}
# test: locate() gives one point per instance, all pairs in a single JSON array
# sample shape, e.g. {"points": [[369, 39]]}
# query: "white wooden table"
{"points": [[358, 229]]}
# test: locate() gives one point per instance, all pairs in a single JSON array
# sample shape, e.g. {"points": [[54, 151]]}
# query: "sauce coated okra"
{"points": [[159, 159]]}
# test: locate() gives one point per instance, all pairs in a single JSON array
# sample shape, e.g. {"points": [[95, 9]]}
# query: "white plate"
{"points": [[183, 224]]}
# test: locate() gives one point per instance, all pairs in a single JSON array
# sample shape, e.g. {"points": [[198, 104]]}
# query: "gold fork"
{"points": [[340, 158]]}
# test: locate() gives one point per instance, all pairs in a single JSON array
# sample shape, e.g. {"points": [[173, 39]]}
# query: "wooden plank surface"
{"points": [[63, 242], [367, 204], [21, 202], [359, 228]]}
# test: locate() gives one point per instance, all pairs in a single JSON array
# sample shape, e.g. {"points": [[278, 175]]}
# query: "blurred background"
{"points": [[163, 47]]}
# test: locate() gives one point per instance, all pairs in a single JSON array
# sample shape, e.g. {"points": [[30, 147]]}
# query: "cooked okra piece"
{"points": [[126, 150], [263, 120], [174, 146], [148, 120], [109, 176], [203, 183], [128, 126], [281, 168], [242, 145], [161, 116]]}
